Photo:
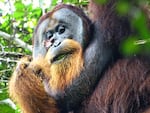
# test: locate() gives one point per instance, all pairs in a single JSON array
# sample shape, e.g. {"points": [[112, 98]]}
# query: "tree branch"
{"points": [[5, 70], [16, 40], [12, 54], [8, 102], [9, 60]]}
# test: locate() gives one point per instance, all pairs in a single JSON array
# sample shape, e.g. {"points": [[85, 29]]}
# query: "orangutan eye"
{"points": [[60, 29]]}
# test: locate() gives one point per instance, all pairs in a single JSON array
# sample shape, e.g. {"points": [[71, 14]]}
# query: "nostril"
{"points": [[49, 43], [52, 40]]}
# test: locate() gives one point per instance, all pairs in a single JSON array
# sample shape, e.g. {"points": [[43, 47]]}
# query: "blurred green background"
{"points": [[18, 19]]}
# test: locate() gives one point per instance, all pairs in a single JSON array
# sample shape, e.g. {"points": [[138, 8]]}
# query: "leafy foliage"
{"points": [[19, 23], [139, 42]]}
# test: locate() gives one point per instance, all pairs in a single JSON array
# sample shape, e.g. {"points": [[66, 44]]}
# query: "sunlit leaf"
{"points": [[71, 1], [18, 14], [19, 6], [29, 7], [84, 3], [36, 12], [129, 47], [2, 0]]}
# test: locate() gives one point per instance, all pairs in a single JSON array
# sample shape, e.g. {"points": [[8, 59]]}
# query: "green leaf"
{"points": [[36, 12], [84, 3], [71, 1], [60, 57], [140, 24], [5, 24], [4, 108], [29, 7], [18, 14], [19, 6], [129, 47], [123, 7], [3, 94]]}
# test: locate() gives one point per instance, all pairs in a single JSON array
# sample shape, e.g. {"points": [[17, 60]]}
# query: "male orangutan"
{"points": [[77, 65]]}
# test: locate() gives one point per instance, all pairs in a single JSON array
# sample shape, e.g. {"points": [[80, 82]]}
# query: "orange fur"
{"points": [[28, 91], [63, 72], [60, 73], [26, 87]]}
